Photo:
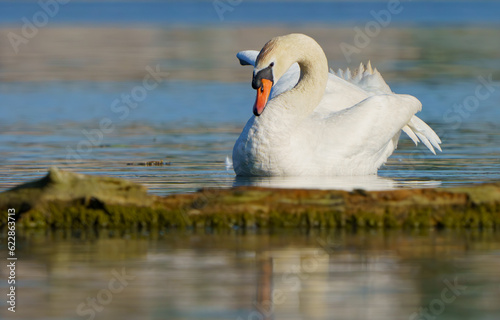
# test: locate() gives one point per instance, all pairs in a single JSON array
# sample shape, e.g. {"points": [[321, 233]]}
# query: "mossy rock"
{"points": [[64, 199]]}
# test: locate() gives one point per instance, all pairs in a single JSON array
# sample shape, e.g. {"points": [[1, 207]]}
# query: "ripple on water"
{"points": [[195, 145]]}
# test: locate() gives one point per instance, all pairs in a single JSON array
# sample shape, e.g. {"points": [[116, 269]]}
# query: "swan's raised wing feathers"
{"points": [[378, 119], [417, 129], [366, 78], [371, 81], [247, 57], [411, 134]]}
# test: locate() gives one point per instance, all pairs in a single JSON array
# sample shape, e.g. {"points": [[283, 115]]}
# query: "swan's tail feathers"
{"points": [[418, 131], [365, 77]]}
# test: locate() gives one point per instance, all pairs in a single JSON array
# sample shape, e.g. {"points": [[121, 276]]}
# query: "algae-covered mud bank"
{"points": [[64, 199]]}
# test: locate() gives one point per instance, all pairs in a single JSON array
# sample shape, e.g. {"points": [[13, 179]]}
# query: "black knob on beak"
{"points": [[266, 73]]}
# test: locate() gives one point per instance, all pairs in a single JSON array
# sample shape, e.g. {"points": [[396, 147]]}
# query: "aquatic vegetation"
{"points": [[64, 199]]}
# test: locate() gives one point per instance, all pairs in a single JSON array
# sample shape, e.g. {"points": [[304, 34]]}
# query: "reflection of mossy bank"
{"points": [[68, 200]]}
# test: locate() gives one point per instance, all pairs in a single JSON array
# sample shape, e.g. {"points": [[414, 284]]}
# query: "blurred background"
{"points": [[104, 87]]}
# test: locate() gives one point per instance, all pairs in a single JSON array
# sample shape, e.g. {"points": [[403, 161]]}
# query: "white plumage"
{"points": [[336, 123]]}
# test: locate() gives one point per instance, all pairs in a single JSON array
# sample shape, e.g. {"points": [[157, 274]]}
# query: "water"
{"points": [[55, 124], [62, 86], [203, 12], [230, 275], [73, 77]]}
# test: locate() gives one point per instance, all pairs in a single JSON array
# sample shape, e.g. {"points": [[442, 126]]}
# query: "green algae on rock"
{"points": [[64, 199]]}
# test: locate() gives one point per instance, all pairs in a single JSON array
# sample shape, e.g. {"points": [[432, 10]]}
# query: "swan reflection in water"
{"points": [[347, 183]]}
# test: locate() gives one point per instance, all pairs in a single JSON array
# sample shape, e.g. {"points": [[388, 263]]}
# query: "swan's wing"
{"points": [[285, 83], [345, 88], [339, 95], [365, 78], [371, 81], [418, 131], [247, 57], [373, 124]]}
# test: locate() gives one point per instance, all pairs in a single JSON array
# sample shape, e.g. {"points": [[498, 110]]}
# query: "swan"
{"points": [[311, 122]]}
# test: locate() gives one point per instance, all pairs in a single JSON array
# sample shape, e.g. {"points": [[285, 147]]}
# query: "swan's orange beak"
{"points": [[262, 96]]}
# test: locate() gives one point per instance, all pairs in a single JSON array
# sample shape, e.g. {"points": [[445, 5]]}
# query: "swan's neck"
{"points": [[306, 95]]}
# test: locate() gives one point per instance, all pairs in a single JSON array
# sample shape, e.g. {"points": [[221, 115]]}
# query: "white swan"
{"points": [[320, 123]]}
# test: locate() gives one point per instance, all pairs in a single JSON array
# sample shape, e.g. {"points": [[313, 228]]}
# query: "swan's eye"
{"points": [[271, 65]]}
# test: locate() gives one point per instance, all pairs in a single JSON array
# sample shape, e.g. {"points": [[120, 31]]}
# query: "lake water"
{"points": [[64, 84], [204, 12], [192, 125], [75, 74], [236, 275]]}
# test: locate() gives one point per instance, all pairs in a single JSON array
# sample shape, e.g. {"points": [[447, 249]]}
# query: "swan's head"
{"points": [[272, 62]]}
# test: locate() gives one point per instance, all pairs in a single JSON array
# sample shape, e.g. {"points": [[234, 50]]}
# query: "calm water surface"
{"points": [[236, 275], [203, 12], [191, 121], [439, 55], [192, 126]]}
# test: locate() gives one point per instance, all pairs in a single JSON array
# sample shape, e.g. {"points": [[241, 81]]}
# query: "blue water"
{"points": [[191, 121], [55, 123], [434, 50], [297, 13]]}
